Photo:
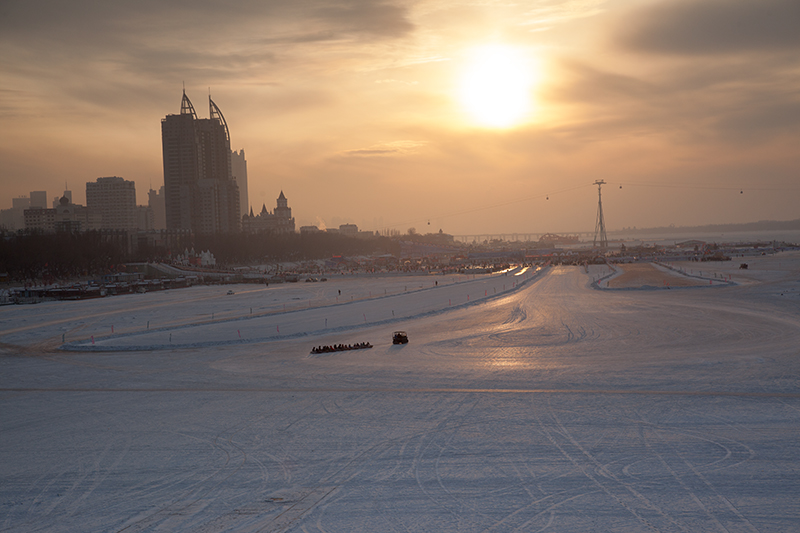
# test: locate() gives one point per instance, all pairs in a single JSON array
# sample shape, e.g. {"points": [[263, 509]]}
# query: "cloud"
{"points": [[690, 27], [549, 12], [395, 148], [761, 119], [313, 37], [93, 19], [154, 38], [12, 100], [365, 16], [371, 152], [736, 101], [108, 54], [716, 71], [397, 81]]}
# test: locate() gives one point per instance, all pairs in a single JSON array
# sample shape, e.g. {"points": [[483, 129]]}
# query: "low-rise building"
{"points": [[66, 217], [350, 230], [40, 219]]}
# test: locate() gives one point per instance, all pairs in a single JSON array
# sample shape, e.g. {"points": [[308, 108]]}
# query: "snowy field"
{"points": [[525, 401]]}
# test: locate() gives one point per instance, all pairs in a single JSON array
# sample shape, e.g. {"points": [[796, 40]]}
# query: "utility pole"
{"points": [[600, 226]]}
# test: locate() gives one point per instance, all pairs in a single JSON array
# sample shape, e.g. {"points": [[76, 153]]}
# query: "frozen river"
{"points": [[528, 402]]}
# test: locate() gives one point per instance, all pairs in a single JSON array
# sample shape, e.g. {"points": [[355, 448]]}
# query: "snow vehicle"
{"points": [[399, 337]]}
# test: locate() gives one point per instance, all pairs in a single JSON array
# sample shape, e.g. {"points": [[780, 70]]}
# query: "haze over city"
{"points": [[475, 117], [370, 266]]}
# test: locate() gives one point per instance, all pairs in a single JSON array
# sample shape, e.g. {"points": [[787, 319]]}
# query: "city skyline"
{"points": [[370, 111]]}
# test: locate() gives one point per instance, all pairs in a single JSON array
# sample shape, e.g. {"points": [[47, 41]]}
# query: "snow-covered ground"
{"points": [[528, 402]]}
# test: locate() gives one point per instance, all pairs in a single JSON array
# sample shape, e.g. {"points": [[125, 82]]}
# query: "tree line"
{"points": [[244, 248], [43, 258]]}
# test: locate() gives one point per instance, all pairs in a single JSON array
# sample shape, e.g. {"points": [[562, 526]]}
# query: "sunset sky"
{"points": [[474, 116]]}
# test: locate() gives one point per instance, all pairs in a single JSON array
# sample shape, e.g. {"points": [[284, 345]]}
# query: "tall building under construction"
{"points": [[200, 192]]}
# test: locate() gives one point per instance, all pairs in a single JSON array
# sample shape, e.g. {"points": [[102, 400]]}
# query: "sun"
{"points": [[496, 86]]}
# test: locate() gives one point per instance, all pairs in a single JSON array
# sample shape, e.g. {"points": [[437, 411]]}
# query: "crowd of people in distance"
{"points": [[341, 347]]}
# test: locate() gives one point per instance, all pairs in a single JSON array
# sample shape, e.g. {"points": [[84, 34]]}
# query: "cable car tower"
{"points": [[600, 236]]}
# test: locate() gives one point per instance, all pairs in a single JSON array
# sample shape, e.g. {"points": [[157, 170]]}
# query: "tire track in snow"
{"points": [[428, 477], [549, 511], [62, 493], [688, 477], [190, 501], [625, 494], [194, 498], [717, 505], [97, 475], [413, 390]]}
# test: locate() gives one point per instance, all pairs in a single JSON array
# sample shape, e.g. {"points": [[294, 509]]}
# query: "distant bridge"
{"points": [[518, 237]]}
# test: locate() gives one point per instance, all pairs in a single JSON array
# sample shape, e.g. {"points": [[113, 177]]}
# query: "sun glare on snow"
{"points": [[495, 88]]}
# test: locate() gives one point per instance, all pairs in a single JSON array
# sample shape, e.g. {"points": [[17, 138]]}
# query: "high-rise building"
{"points": [[200, 192], [23, 202], [39, 199], [145, 218], [115, 199], [155, 200], [239, 171], [14, 219]]}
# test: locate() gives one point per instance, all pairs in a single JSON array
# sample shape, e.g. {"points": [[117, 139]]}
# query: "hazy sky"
{"points": [[392, 114]]}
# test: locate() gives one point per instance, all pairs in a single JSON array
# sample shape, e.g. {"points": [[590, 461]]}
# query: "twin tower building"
{"points": [[205, 184]]}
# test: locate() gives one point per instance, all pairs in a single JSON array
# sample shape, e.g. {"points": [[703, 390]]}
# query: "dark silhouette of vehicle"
{"points": [[341, 347], [399, 337]]}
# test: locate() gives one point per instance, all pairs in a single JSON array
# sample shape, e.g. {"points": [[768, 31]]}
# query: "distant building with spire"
{"points": [[67, 194], [200, 192], [64, 217], [279, 221]]}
